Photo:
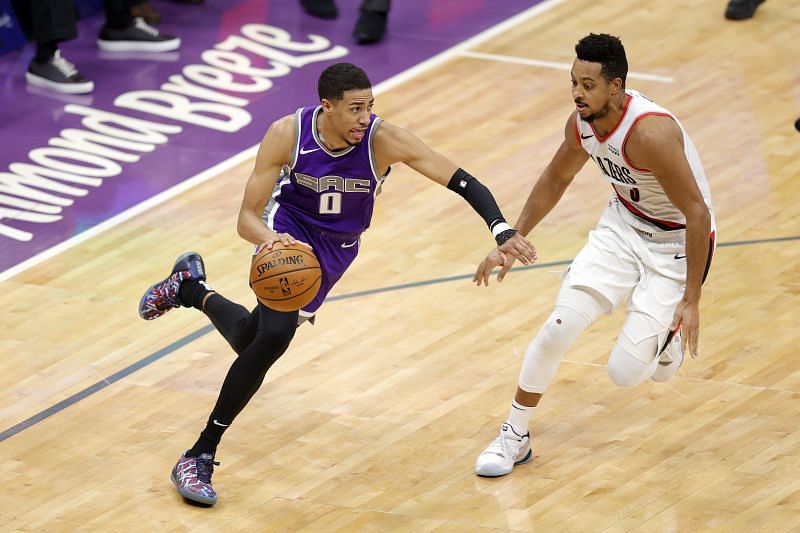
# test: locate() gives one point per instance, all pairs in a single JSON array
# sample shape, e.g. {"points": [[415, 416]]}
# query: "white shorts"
{"points": [[624, 263]]}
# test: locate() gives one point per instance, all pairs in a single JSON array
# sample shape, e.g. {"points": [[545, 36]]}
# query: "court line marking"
{"points": [[554, 65], [222, 166], [191, 337]]}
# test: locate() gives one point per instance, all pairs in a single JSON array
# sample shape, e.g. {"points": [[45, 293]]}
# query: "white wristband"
{"points": [[500, 228]]}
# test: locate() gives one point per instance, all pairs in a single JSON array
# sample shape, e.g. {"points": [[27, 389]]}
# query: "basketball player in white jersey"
{"points": [[652, 246]]}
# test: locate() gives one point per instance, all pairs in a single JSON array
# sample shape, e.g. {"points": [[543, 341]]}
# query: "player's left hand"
{"points": [[520, 248], [496, 258], [687, 317]]}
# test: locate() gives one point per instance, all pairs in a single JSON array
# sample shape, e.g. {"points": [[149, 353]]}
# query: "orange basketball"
{"points": [[285, 278]]}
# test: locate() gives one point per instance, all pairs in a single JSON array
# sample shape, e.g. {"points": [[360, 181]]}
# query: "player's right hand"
{"points": [[283, 238], [521, 248], [494, 259]]}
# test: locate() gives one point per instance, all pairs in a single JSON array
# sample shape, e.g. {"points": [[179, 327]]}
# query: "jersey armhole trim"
{"points": [[296, 146], [633, 126], [376, 122]]}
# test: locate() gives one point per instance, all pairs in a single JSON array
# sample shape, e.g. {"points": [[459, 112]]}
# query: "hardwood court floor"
{"points": [[374, 418]]}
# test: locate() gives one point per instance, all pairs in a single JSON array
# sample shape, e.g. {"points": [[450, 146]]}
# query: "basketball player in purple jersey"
{"points": [[651, 248], [316, 177]]}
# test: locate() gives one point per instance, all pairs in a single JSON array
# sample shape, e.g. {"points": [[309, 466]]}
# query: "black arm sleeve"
{"points": [[478, 196]]}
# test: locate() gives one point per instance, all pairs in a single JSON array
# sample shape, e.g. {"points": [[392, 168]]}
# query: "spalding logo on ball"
{"points": [[285, 278]]}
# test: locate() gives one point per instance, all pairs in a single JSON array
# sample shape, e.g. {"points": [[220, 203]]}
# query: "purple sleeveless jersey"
{"points": [[325, 198], [334, 191]]}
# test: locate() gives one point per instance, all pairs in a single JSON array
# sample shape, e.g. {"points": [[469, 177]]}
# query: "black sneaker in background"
{"points": [[370, 27], [58, 74], [741, 9], [138, 37], [324, 9]]}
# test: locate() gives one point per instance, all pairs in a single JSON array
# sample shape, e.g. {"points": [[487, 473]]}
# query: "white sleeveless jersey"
{"points": [[648, 207]]}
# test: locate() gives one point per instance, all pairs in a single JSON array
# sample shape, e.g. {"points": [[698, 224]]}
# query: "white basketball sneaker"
{"points": [[670, 359], [507, 450]]}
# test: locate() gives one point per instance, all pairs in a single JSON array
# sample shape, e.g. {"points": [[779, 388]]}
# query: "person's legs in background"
{"points": [[371, 24], [125, 33], [372, 20], [50, 22]]}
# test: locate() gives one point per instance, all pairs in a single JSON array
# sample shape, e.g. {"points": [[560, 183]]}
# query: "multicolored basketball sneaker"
{"points": [[192, 478], [163, 296]]}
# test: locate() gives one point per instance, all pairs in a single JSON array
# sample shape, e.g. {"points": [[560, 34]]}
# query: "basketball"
{"points": [[285, 278]]}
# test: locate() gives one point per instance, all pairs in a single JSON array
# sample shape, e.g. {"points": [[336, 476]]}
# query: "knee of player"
{"points": [[552, 329], [277, 336], [619, 374], [625, 369], [563, 323], [240, 344]]}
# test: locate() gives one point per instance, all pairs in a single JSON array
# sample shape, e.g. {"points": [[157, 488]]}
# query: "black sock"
{"points": [[209, 438], [45, 51], [192, 293]]}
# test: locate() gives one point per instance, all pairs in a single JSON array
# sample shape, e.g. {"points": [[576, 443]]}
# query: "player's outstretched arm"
{"points": [[393, 144], [274, 152], [657, 144], [548, 190]]}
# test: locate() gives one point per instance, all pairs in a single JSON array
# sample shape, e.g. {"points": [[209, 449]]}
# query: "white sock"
{"points": [[518, 418]]}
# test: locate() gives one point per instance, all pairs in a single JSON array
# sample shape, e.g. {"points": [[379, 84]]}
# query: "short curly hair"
{"points": [[606, 50], [341, 77]]}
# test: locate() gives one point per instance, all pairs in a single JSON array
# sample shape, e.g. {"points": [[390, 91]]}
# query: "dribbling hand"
{"points": [[283, 238]]}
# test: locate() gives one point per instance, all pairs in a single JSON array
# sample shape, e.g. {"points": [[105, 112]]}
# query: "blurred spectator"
{"points": [[147, 12], [371, 24], [741, 9], [50, 22]]}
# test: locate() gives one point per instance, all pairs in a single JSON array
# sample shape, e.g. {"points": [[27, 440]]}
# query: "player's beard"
{"points": [[600, 113]]}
